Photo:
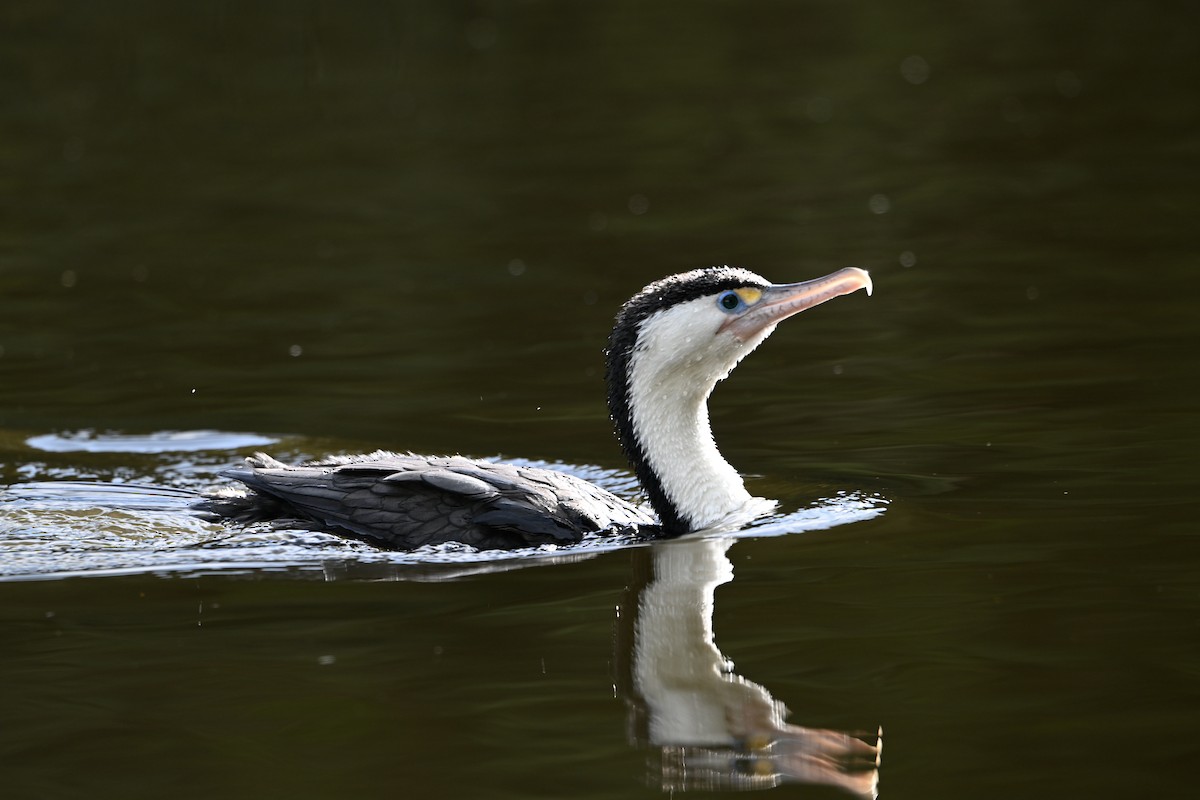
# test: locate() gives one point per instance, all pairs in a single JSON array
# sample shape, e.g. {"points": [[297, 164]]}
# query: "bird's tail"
{"points": [[240, 505]]}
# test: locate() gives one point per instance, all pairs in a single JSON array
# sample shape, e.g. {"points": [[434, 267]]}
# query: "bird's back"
{"points": [[404, 501]]}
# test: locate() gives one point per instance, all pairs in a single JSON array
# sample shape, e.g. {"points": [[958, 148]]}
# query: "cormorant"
{"points": [[669, 346]]}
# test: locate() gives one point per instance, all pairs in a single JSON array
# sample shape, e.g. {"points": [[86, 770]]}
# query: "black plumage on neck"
{"points": [[623, 346]]}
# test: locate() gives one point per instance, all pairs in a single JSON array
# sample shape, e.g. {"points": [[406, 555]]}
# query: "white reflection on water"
{"points": [[160, 442], [706, 726]]}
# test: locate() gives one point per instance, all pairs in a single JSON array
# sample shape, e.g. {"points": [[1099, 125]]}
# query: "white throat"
{"points": [[678, 361]]}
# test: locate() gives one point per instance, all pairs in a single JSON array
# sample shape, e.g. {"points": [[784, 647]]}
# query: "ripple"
{"points": [[61, 529], [89, 441]]}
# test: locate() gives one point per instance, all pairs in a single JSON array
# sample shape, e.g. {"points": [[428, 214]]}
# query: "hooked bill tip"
{"points": [[866, 279]]}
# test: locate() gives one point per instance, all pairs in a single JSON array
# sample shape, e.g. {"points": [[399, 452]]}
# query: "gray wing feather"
{"points": [[404, 501]]}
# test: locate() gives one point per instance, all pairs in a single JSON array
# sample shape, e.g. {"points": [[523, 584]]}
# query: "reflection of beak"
{"points": [[783, 300]]}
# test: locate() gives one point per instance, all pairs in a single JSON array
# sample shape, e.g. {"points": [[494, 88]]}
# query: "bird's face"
{"points": [[704, 337]]}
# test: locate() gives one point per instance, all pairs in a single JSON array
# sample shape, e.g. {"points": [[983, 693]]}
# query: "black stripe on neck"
{"points": [[623, 342]]}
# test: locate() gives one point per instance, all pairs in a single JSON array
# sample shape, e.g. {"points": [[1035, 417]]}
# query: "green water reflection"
{"points": [[409, 226]]}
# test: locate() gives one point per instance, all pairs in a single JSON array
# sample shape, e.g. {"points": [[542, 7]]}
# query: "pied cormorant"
{"points": [[671, 343]]}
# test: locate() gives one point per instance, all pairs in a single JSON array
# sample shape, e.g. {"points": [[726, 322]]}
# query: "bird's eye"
{"points": [[729, 301]]}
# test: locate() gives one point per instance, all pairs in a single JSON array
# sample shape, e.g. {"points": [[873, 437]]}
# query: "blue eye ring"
{"points": [[729, 301]]}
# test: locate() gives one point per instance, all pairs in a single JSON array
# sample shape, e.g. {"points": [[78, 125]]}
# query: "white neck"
{"points": [[669, 385]]}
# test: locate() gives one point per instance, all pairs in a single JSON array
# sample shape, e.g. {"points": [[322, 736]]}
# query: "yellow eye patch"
{"points": [[749, 295]]}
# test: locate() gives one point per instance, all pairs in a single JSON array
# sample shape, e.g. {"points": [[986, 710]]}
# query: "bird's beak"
{"points": [[783, 300]]}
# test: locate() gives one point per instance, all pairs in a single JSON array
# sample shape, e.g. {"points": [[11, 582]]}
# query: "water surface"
{"points": [[409, 227]]}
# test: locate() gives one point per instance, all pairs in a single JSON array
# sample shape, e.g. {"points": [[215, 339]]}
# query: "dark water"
{"points": [[409, 226]]}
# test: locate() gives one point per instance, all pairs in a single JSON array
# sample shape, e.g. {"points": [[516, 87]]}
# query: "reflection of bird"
{"points": [[706, 726], [670, 345]]}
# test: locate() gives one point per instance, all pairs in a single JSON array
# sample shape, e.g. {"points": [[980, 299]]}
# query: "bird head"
{"points": [[705, 321], [670, 345]]}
